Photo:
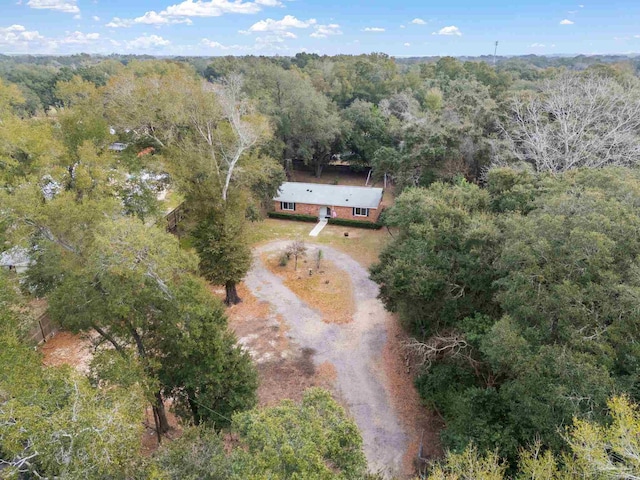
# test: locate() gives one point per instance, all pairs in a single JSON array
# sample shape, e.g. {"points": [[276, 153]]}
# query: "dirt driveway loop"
{"points": [[355, 350]]}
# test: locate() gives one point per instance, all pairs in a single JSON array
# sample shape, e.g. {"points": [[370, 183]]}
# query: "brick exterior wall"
{"points": [[343, 212]]}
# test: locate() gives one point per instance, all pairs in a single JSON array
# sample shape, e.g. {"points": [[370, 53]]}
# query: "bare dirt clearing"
{"points": [[285, 368], [65, 348]]}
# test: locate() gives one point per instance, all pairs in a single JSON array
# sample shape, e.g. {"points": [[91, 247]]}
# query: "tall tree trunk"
{"points": [[288, 169], [193, 406], [319, 169], [232, 294], [163, 423]]}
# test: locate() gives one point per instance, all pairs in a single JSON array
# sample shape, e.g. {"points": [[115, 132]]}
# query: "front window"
{"points": [[288, 206], [360, 212]]}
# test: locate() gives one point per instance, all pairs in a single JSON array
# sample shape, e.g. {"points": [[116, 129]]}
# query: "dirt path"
{"points": [[355, 350]]}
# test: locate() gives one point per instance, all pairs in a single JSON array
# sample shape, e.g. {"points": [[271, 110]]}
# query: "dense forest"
{"points": [[513, 262]]}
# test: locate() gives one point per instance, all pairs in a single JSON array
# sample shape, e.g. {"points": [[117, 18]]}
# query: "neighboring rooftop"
{"points": [[330, 195], [118, 147], [16, 256]]}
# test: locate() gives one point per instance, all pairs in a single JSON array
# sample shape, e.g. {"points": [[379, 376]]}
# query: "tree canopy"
{"points": [[522, 297]]}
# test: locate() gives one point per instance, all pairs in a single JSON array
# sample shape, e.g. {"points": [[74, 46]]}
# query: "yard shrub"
{"points": [[299, 218], [345, 222]]}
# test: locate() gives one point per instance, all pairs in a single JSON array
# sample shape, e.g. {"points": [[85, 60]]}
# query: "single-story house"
{"points": [[329, 201]]}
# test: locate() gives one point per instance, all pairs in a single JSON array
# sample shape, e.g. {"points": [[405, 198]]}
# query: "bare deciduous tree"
{"points": [[296, 249], [436, 347], [235, 108], [575, 121]]}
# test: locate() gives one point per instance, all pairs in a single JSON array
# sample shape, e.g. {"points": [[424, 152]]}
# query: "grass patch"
{"points": [[328, 290], [362, 245]]}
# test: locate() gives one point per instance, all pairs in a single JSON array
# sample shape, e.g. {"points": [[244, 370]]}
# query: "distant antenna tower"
{"points": [[494, 54]]}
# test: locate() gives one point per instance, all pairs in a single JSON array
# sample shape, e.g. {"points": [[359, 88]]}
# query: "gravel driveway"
{"points": [[354, 349]]}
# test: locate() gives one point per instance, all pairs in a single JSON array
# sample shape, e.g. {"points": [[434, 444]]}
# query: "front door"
{"points": [[325, 212]]}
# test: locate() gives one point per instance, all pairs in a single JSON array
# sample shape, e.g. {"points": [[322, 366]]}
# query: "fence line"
{"points": [[43, 329], [173, 218]]}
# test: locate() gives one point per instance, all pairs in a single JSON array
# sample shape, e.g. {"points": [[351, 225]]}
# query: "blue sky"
{"points": [[284, 27]]}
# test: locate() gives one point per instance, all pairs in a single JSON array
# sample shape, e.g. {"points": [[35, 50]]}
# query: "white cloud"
{"points": [[78, 38], [217, 45], [77, 17], [407, 44], [147, 42], [324, 31], [287, 22], [418, 21], [537, 45], [636, 36], [18, 36], [566, 21], [273, 42], [402, 26], [181, 12], [153, 18], [373, 29], [451, 30], [213, 8], [67, 6], [277, 31], [17, 39], [95, 18], [117, 22]]}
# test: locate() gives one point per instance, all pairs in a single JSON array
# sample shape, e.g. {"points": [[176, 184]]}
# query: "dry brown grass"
{"points": [[419, 422], [326, 375], [328, 290]]}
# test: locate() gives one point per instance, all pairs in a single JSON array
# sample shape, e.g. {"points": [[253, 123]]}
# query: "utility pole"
{"points": [[494, 54]]}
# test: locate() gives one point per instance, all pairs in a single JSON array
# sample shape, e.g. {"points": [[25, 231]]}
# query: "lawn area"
{"points": [[361, 244]]}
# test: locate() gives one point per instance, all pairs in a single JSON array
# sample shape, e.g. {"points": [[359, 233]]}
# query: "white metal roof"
{"points": [[118, 147], [329, 195], [16, 256]]}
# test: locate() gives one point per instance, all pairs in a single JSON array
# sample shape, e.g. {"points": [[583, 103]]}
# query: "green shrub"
{"points": [[287, 216], [345, 222], [283, 260]]}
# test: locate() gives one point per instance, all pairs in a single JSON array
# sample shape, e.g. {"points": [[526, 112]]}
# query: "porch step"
{"points": [[318, 228]]}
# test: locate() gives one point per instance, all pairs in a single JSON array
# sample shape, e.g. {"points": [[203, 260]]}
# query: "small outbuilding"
{"points": [[329, 201], [118, 147], [16, 259]]}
